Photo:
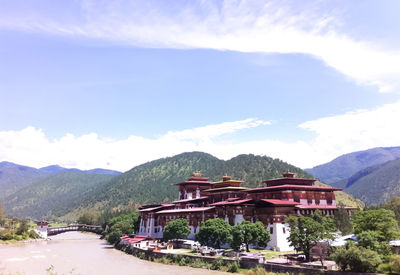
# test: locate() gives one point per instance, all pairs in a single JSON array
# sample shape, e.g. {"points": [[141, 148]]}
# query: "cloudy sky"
{"points": [[114, 84]]}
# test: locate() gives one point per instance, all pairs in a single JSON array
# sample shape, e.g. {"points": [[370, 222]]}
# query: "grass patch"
{"points": [[269, 254]]}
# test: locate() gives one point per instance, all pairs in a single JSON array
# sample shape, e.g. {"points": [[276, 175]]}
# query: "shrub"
{"points": [[234, 267], [392, 267], [141, 255], [33, 235], [217, 263], [257, 271], [198, 263], [6, 235], [358, 259], [162, 260], [184, 261]]}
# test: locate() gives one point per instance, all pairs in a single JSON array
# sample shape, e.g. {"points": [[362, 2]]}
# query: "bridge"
{"points": [[74, 227]]}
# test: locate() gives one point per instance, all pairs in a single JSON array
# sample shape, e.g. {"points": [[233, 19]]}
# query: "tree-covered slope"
{"points": [[69, 194], [54, 195], [153, 182], [376, 184], [347, 165], [14, 177]]}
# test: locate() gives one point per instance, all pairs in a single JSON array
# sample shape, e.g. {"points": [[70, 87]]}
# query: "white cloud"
{"points": [[334, 136], [245, 26], [31, 147]]}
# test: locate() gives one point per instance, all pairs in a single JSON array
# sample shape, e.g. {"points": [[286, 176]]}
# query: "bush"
{"points": [[162, 260], [184, 261], [234, 267], [217, 264], [198, 263], [7, 235], [33, 235], [358, 259], [141, 255], [392, 267]]}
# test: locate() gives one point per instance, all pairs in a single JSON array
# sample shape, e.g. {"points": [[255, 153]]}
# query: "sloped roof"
{"points": [[188, 200], [292, 186], [280, 202], [231, 202], [194, 209]]}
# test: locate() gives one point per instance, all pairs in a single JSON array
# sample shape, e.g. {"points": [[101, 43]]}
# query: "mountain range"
{"points": [[372, 175], [69, 194], [347, 165], [14, 177]]}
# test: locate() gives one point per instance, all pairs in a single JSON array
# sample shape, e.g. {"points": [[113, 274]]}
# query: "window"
{"points": [[309, 197], [296, 197], [271, 230], [284, 230], [329, 198], [317, 198]]}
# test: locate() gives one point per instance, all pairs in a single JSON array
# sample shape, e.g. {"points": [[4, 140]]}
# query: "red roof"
{"points": [[136, 239], [155, 208], [194, 209], [232, 199], [141, 236], [316, 207], [231, 202], [289, 180], [281, 202], [292, 186], [187, 200], [195, 182]]}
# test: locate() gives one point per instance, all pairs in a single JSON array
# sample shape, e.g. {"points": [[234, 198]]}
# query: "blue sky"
{"points": [[113, 84]]}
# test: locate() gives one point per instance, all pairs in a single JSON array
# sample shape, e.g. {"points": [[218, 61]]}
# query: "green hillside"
{"points": [[69, 194], [347, 165], [14, 176], [376, 184], [153, 182], [54, 195]]}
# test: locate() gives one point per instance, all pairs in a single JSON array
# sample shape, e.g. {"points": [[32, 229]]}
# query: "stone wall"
{"points": [[247, 263]]}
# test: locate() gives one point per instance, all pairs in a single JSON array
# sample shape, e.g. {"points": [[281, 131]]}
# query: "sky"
{"points": [[114, 84]]}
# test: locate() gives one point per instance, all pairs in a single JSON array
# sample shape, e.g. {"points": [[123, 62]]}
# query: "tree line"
{"points": [[15, 229]]}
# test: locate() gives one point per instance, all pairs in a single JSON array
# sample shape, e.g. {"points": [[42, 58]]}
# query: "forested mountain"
{"points": [[375, 184], [347, 165], [68, 194], [14, 177], [54, 195], [153, 182]]}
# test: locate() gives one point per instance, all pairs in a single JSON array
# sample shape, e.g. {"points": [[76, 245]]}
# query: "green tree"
{"points": [[391, 267], [249, 233], [394, 205], [120, 223], [370, 240], [305, 232], [89, 217], [357, 259], [342, 220], [381, 221], [176, 229], [214, 232], [2, 216], [23, 227]]}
